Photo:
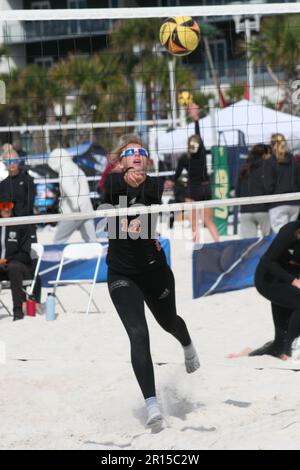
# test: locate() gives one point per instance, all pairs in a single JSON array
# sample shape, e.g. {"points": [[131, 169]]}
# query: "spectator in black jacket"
{"points": [[199, 187], [16, 264], [254, 180], [18, 186], [285, 179]]}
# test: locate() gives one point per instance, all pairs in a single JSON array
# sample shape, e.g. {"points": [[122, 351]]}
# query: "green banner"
{"points": [[221, 186]]}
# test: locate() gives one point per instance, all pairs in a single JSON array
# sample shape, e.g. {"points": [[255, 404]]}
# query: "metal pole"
{"points": [[173, 97], [213, 124], [250, 65], [47, 139]]}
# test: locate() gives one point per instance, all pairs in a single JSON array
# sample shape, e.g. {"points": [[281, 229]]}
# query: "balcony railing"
{"points": [[234, 72], [14, 33]]}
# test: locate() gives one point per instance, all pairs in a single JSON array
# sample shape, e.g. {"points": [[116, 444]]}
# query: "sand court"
{"points": [[68, 384]]}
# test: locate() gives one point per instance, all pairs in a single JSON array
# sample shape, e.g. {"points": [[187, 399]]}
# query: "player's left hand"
{"points": [[135, 178]]}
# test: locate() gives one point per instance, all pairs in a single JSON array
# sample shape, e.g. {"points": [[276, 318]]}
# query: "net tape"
{"points": [[147, 12], [154, 209]]}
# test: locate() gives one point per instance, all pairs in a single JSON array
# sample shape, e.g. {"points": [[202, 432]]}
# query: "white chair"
{"points": [[76, 252], [37, 251]]}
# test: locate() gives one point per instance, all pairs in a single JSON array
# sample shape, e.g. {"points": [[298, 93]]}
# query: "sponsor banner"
{"points": [[221, 186], [227, 266], [81, 269]]}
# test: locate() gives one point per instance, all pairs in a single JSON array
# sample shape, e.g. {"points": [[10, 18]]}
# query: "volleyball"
{"points": [[180, 35], [185, 98]]}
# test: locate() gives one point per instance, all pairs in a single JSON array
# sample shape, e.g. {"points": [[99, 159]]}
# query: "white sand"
{"points": [[76, 389]]}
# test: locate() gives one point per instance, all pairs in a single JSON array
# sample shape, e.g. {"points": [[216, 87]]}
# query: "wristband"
{"points": [[127, 169]]}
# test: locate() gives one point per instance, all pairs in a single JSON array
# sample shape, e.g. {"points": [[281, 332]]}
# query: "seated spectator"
{"points": [[252, 181], [18, 185], [16, 264]]}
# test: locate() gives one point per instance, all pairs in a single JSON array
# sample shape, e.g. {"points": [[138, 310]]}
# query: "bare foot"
{"points": [[284, 357], [243, 353]]}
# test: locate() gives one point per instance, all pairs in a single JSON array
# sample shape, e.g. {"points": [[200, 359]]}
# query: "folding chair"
{"points": [[76, 252], [37, 251]]}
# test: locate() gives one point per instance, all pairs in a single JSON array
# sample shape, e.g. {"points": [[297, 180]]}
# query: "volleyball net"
{"points": [[80, 78]]}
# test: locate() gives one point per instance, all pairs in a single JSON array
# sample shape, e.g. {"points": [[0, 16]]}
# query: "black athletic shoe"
{"points": [[18, 314]]}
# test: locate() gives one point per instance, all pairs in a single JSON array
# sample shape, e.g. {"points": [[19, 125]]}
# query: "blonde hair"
{"points": [[8, 151], [277, 137], [276, 142], [125, 140], [194, 137]]}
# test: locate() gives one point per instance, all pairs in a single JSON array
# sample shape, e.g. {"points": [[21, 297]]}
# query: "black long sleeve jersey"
{"points": [[256, 183], [15, 243], [21, 190], [281, 262], [195, 165], [133, 247], [285, 178]]}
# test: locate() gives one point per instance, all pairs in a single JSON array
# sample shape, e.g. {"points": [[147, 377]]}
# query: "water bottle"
{"points": [[50, 307], [30, 307]]}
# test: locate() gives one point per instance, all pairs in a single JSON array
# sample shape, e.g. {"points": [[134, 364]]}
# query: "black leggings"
{"points": [[16, 273], [285, 303], [157, 289]]}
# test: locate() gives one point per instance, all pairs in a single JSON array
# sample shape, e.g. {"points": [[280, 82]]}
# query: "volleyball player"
{"points": [[199, 187], [138, 271], [277, 279]]}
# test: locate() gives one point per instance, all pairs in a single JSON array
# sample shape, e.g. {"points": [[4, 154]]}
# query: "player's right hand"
{"points": [[296, 283], [134, 178]]}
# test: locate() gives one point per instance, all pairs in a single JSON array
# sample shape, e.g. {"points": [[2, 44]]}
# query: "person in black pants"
{"points": [[138, 271], [18, 186], [285, 179], [253, 180], [199, 187], [277, 279], [16, 264]]}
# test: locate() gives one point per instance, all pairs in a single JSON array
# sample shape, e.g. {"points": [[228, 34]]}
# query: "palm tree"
{"points": [[94, 82], [98, 89], [29, 95], [105, 90], [277, 46], [137, 40]]}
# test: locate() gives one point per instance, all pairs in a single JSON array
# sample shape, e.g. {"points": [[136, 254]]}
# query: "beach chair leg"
{"points": [[61, 304], [5, 307]]}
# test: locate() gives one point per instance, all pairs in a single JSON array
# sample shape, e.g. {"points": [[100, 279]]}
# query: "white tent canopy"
{"points": [[256, 121]]}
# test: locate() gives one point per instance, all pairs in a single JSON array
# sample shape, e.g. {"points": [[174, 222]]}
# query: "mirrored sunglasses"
{"points": [[6, 205], [132, 151], [12, 161]]}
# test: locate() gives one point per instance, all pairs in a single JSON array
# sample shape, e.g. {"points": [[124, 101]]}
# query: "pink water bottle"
{"points": [[30, 307]]}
